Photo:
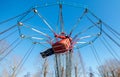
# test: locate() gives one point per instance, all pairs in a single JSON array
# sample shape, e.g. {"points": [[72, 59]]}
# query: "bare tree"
{"points": [[3, 46], [76, 71], [42, 67], [37, 74], [27, 75], [10, 66], [111, 68], [5, 73]]}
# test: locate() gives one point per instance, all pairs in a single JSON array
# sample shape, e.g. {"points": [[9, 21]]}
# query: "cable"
{"points": [[106, 25], [27, 54], [10, 45], [61, 18], [82, 32], [10, 51], [10, 28], [46, 5], [7, 29], [88, 36], [111, 39], [19, 30], [109, 50], [78, 21], [43, 19], [58, 56], [96, 54], [8, 35], [82, 64], [111, 47], [29, 18], [115, 34], [38, 31], [57, 23], [13, 17], [25, 15], [74, 5], [63, 3], [105, 33], [89, 42], [83, 45]]}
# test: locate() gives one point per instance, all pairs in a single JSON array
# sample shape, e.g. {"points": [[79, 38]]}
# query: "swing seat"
{"points": [[62, 46]]}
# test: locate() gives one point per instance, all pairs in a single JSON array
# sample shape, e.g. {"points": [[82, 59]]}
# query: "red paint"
{"points": [[63, 45]]}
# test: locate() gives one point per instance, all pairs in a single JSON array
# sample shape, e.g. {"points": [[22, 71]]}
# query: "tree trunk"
{"points": [[113, 75], [76, 71], [68, 64], [62, 73]]}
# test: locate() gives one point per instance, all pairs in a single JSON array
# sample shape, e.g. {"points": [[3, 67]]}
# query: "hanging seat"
{"points": [[62, 46]]}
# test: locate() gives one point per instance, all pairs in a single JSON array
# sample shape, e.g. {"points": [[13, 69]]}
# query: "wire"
{"points": [[57, 23], [111, 47], [78, 21], [38, 31], [74, 5], [85, 37], [82, 64], [110, 29], [24, 59], [83, 45], [8, 35], [43, 19], [19, 30], [10, 51], [111, 39], [89, 42], [25, 15], [88, 36], [61, 18], [82, 32], [29, 18], [105, 33], [108, 48], [114, 34], [10, 45], [63, 3], [24, 20], [7, 29], [46, 5], [96, 55], [99, 61], [13, 18], [14, 27], [106, 25]]}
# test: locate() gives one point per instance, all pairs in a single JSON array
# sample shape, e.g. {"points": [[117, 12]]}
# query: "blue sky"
{"points": [[107, 10]]}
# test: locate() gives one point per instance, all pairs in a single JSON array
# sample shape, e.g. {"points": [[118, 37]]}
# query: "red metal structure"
{"points": [[64, 45], [61, 46]]}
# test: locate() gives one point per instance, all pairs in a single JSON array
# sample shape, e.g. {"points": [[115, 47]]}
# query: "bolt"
{"points": [[20, 23]]}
